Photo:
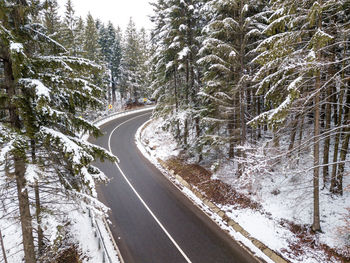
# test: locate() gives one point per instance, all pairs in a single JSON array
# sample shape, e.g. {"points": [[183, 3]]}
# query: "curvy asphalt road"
{"points": [[177, 231]]}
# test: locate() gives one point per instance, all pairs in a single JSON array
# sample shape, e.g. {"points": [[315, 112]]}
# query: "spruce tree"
{"points": [[290, 69], [69, 29], [130, 62], [80, 37], [176, 80], [92, 50], [229, 37], [111, 52], [42, 96], [51, 19]]}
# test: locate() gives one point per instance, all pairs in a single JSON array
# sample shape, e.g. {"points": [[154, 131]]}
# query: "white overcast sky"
{"points": [[116, 11]]}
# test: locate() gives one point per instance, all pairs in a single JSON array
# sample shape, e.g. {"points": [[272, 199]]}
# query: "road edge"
{"points": [[99, 122], [272, 255]]}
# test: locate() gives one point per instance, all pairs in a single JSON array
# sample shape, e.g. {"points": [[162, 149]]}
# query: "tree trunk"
{"points": [[337, 177], [230, 128], [198, 134], [343, 153], [113, 91], [335, 106], [336, 146], [24, 210], [338, 184], [38, 219], [19, 163], [300, 136], [337, 141], [197, 119], [327, 139], [242, 89], [176, 104], [37, 204], [259, 111], [316, 226], [186, 103], [316, 220], [293, 134]]}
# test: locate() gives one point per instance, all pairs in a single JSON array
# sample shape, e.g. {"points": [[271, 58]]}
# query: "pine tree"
{"points": [[91, 46], [51, 19], [229, 36], [42, 96], [111, 51], [130, 62], [143, 61], [166, 81], [176, 81], [69, 30], [80, 37], [290, 69]]}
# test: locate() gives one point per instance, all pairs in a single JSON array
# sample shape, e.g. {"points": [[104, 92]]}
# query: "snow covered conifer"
{"points": [[176, 80], [229, 36], [130, 62], [69, 31], [92, 49], [42, 97], [111, 52], [293, 71], [51, 19], [80, 37]]}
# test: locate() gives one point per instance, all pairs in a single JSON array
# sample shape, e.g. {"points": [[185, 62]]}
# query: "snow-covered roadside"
{"points": [[155, 144], [266, 227], [73, 224]]}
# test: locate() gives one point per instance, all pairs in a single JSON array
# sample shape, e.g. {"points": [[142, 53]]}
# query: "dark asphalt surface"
{"points": [[138, 236]]}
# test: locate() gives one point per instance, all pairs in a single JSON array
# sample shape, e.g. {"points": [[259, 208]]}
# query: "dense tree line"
{"points": [[122, 55], [230, 74], [53, 71]]}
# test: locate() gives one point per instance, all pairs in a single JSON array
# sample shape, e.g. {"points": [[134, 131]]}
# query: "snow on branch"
{"points": [[40, 89], [16, 47], [211, 59], [230, 23], [48, 39], [221, 68], [67, 144], [184, 52]]}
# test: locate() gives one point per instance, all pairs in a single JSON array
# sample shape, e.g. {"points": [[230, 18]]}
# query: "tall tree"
{"points": [[41, 97], [69, 29], [231, 29], [80, 37], [91, 46], [176, 83], [51, 19], [111, 51], [288, 65], [130, 62]]}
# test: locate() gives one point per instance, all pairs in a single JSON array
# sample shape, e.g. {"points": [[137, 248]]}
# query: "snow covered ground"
{"points": [[285, 195], [72, 223]]}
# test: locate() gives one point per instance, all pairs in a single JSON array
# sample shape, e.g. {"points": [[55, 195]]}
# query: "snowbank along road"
{"points": [[151, 219]]}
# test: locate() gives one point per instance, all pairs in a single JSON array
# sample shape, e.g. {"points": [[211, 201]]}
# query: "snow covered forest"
{"points": [[260, 90], [255, 90], [56, 75]]}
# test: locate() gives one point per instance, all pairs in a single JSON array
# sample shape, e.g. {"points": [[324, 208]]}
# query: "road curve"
{"points": [[177, 231]]}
